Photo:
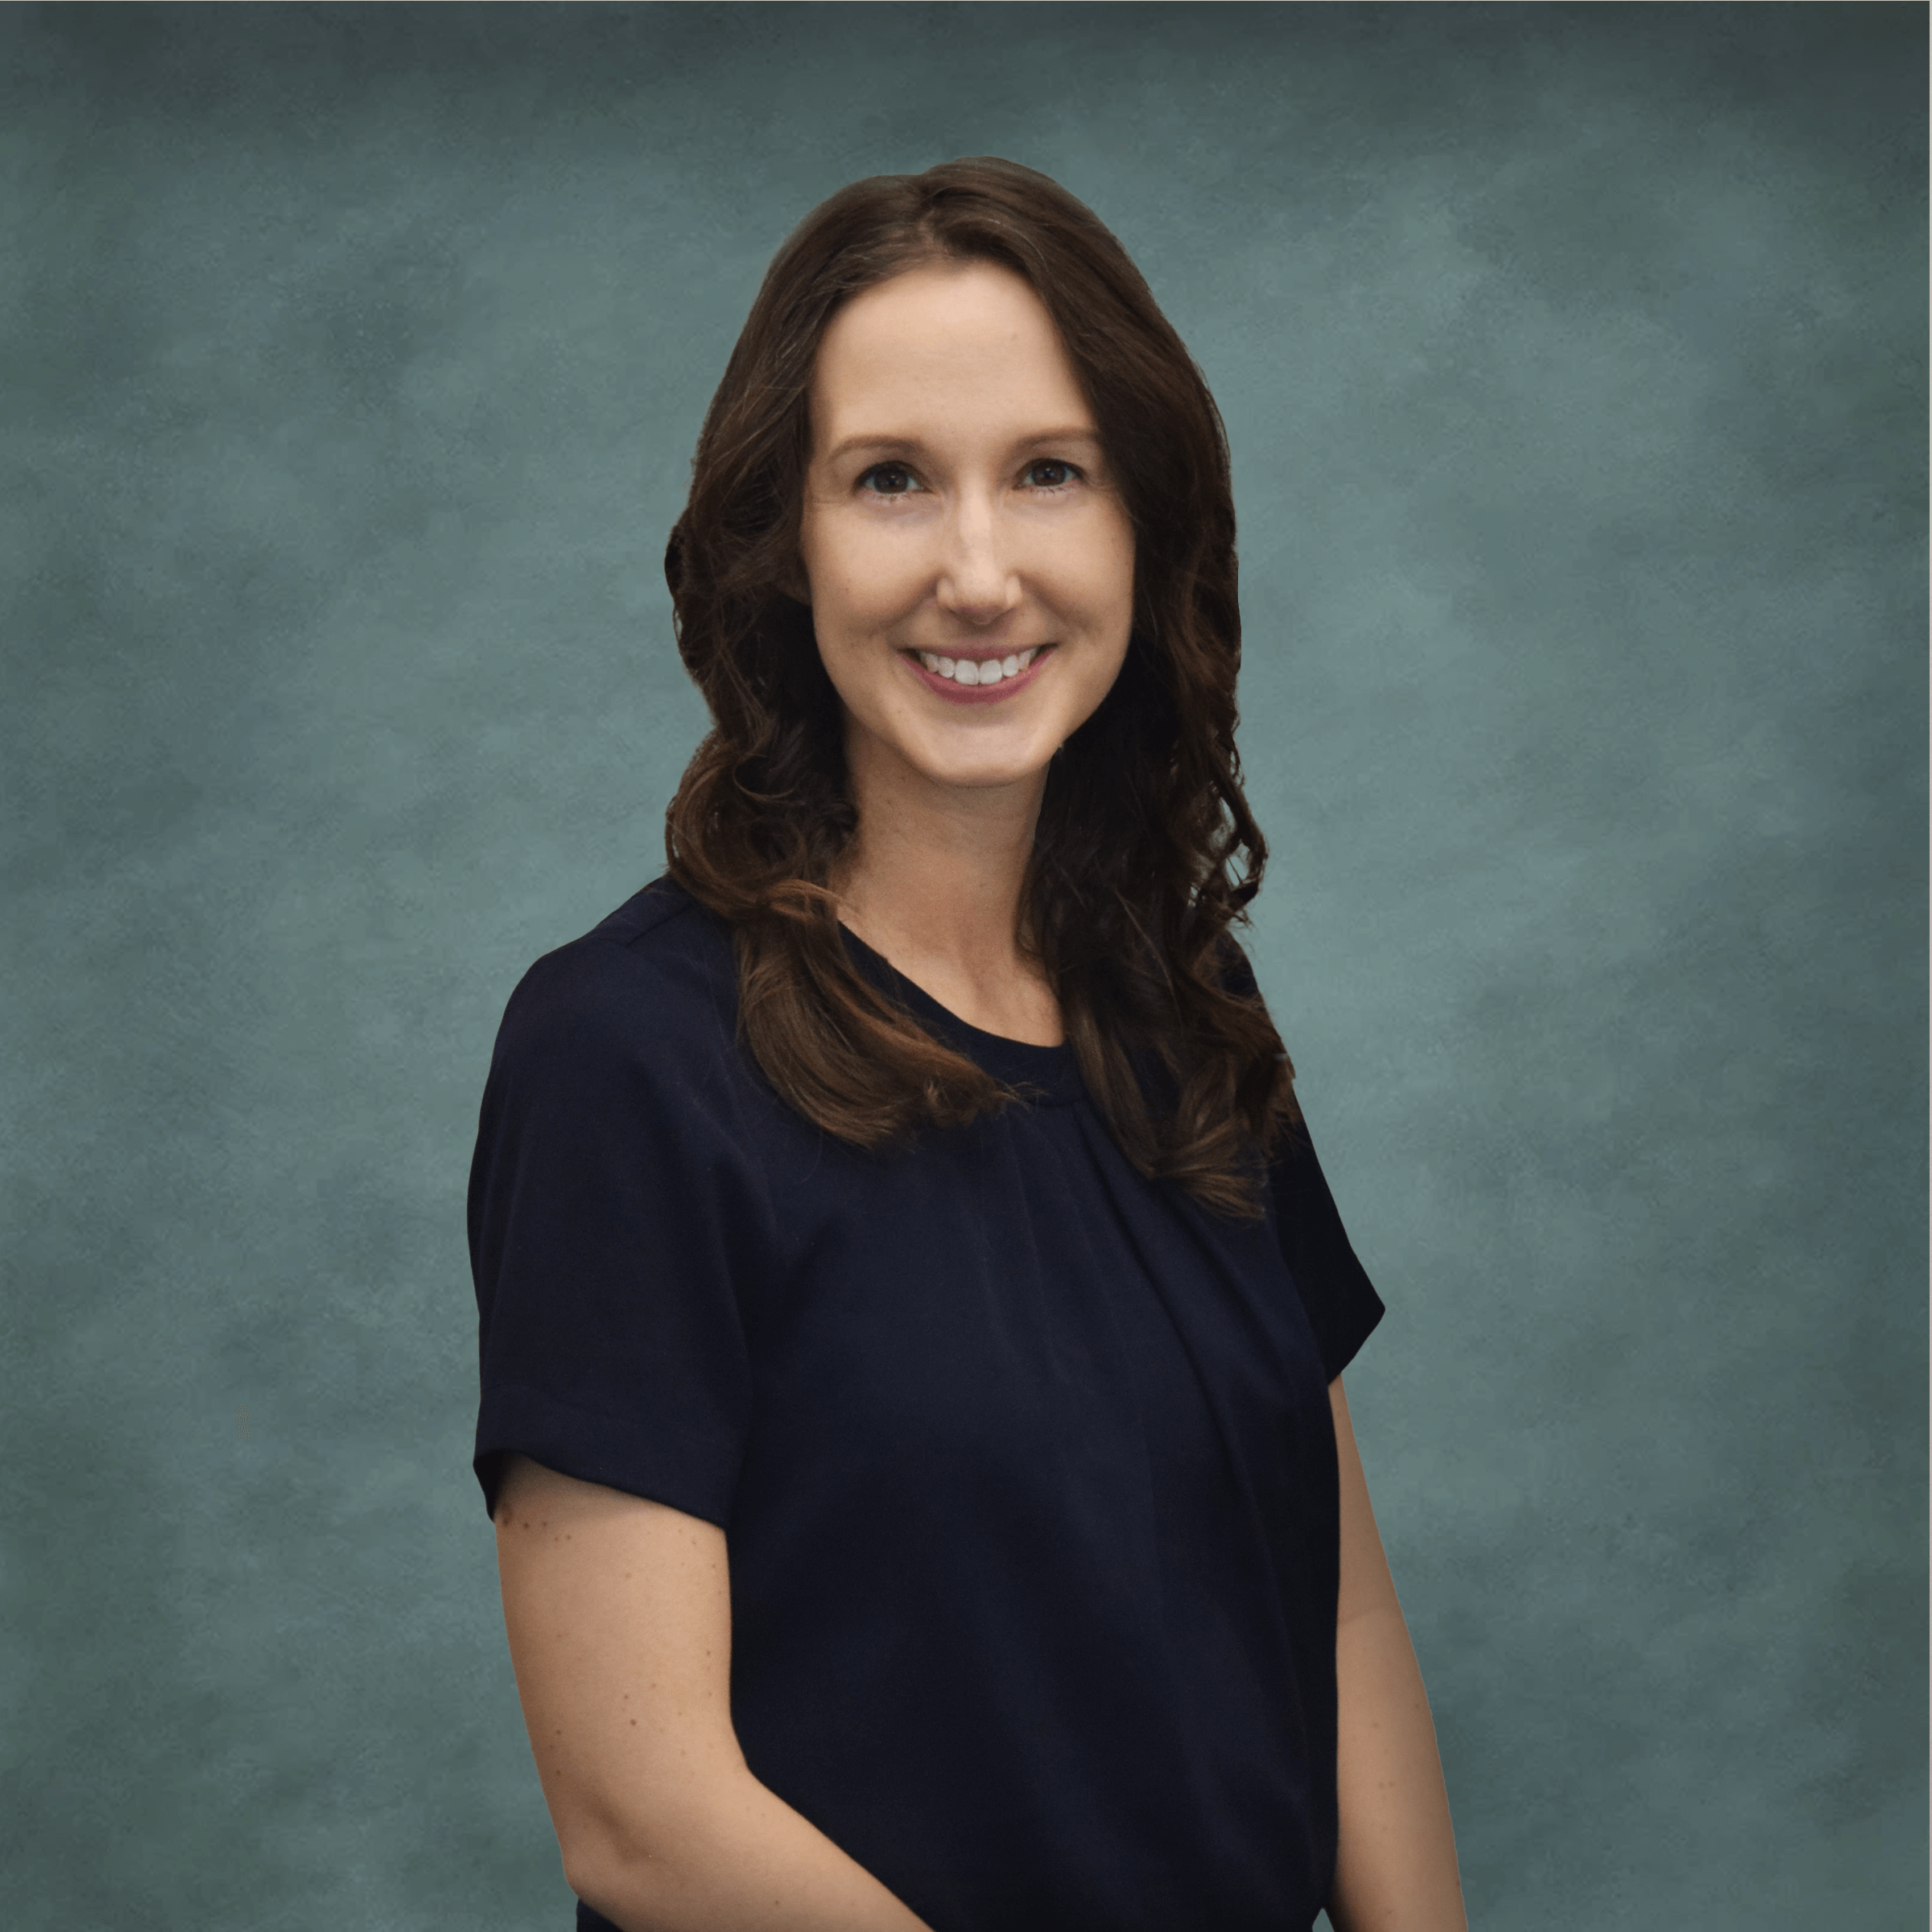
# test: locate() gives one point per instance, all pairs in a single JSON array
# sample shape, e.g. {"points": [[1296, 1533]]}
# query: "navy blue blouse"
{"points": [[1026, 1463]]}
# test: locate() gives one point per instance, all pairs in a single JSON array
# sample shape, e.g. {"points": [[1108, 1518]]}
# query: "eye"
{"points": [[895, 479], [1062, 474]]}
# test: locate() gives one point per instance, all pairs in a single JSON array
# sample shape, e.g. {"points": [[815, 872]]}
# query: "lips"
{"points": [[940, 672]]}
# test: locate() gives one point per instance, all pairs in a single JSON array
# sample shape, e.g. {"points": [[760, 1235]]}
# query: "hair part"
{"points": [[1145, 853]]}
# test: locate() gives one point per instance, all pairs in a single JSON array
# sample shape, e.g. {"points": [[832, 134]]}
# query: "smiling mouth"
{"points": [[971, 672]]}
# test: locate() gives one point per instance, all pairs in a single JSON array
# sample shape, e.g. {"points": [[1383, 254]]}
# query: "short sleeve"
{"points": [[610, 1219], [1342, 1305]]}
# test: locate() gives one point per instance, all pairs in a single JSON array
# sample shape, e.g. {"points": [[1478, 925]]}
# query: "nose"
{"points": [[977, 584]]}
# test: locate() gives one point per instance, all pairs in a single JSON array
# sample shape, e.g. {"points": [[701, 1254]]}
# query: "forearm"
{"points": [[739, 1859], [1395, 1864]]}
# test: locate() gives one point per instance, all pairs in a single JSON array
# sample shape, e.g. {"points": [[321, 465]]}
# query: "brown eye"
{"points": [[1064, 472], [893, 478]]}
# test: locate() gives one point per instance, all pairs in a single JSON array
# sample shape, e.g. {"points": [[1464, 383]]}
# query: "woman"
{"points": [[912, 1313]]}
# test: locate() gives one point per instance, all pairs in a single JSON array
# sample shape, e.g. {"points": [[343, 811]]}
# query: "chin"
{"points": [[982, 772]]}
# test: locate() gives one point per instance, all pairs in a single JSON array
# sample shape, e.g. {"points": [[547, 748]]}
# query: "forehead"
{"points": [[945, 341]]}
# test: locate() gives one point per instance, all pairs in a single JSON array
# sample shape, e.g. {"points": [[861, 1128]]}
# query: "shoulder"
{"points": [[655, 981]]}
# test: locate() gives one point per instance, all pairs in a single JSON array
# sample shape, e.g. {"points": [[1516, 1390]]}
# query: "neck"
{"points": [[932, 880]]}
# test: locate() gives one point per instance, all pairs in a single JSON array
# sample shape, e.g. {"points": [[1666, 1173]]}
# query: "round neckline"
{"points": [[1055, 1070]]}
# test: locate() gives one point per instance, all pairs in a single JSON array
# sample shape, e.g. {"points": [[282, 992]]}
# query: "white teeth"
{"points": [[969, 671]]}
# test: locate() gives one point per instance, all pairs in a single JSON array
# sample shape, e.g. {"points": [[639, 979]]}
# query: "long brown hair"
{"points": [[1144, 852]]}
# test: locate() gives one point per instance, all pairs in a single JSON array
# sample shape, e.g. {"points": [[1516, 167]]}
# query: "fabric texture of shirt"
{"points": [[1026, 1463]]}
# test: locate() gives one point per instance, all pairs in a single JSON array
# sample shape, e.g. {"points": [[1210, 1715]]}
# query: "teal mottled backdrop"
{"points": [[351, 360]]}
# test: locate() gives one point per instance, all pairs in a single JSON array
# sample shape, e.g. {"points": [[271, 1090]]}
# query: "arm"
{"points": [[1395, 1865], [619, 1615]]}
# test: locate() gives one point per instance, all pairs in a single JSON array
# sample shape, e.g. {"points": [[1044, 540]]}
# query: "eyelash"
{"points": [[1044, 489]]}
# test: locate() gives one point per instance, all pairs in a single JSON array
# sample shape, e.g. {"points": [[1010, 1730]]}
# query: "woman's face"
{"points": [[968, 561]]}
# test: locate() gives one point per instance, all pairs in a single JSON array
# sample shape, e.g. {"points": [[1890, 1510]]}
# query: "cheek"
{"points": [[858, 580], [1107, 586], [1107, 559]]}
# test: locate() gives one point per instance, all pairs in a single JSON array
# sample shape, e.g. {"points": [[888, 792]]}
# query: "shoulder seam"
{"points": [[608, 936], [664, 907]]}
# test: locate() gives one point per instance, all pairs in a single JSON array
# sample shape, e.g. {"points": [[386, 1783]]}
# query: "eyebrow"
{"points": [[913, 445]]}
